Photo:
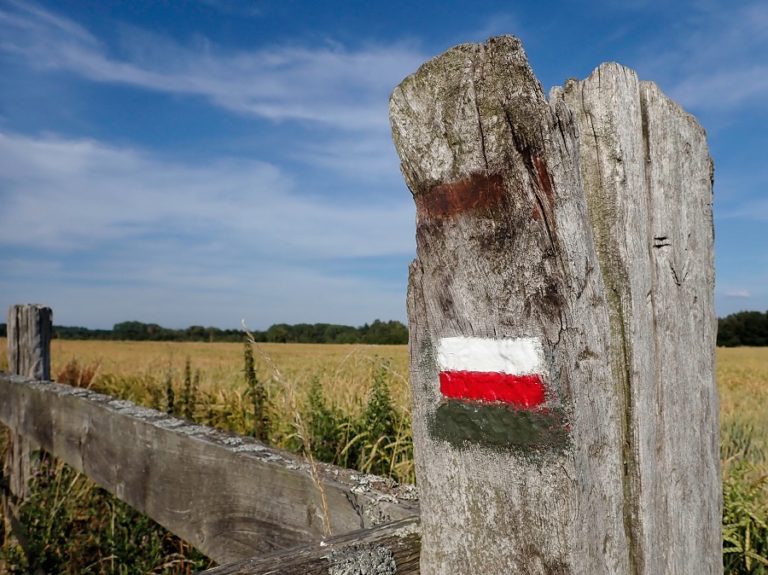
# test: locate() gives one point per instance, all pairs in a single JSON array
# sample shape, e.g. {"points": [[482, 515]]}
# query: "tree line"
{"points": [[743, 328], [748, 328], [378, 332]]}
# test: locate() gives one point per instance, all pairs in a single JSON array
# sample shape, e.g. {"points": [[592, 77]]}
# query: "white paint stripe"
{"points": [[518, 356]]}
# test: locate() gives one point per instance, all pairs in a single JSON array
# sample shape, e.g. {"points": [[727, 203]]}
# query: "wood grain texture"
{"points": [[521, 266], [229, 496], [647, 175], [599, 244], [387, 549], [30, 329]]}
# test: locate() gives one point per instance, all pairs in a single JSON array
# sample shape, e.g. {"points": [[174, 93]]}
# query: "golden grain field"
{"points": [[345, 370], [742, 378], [141, 371]]}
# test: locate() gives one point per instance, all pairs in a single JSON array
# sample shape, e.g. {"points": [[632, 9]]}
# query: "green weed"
{"points": [[74, 527], [257, 393], [745, 502]]}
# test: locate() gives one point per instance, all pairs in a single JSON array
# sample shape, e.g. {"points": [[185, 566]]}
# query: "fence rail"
{"points": [[229, 496], [390, 548]]}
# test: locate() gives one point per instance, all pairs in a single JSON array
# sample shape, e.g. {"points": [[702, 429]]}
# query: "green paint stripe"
{"points": [[499, 426]]}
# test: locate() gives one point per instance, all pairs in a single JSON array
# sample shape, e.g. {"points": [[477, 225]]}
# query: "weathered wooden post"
{"points": [[561, 321], [29, 341], [29, 355]]}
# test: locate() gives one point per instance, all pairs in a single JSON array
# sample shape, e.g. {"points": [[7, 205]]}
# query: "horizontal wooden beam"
{"points": [[230, 496], [392, 548]]}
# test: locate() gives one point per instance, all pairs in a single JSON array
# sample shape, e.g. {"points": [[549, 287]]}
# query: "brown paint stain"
{"points": [[476, 191], [542, 173]]}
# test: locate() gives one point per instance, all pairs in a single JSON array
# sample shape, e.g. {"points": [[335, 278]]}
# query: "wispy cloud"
{"points": [[718, 57], [738, 294], [247, 8], [263, 295], [140, 237], [328, 85], [68, 194], [495, 24], [756, 209]]}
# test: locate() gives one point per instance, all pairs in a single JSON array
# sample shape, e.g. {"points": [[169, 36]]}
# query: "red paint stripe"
{"points": [[518, 390]]}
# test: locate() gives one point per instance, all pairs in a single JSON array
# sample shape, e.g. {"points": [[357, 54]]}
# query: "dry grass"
{"points": [[742, 373], [344, 370], [742, 378]]}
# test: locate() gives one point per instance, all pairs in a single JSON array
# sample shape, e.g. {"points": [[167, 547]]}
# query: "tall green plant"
{"points": [[745, 502], [745, 520], [378, 427], [257, 393], [323, 424], [189, 391], [170, 395]]}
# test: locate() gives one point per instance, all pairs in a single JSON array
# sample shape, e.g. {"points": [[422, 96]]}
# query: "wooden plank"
{"points": [[648, 179], [229, 496], [540, 262], [392, 548]]}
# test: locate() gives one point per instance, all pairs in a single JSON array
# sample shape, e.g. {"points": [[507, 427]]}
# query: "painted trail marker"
{"points": [[494, 370], [494, 394], [561, 321]]}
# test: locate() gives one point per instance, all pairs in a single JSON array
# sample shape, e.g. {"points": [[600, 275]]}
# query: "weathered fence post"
{"points": [[29, 355], [29, 341], [561, 321]]}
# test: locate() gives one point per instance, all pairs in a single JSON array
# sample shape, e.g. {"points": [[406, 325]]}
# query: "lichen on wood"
{"points": [[563, 220]]}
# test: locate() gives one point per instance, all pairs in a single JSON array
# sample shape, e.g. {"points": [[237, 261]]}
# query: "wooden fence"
{"points": [[562, 335], [230, 496]]}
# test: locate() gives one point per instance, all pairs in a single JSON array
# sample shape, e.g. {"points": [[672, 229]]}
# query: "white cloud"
{"points": [[715, 57], [328, 85], [747, 210], [117, 232], [360, 157], [104, 234], [723, 89], [70, 194], [738, 294]]}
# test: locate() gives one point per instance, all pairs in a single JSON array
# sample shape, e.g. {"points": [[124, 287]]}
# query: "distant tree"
{"points": [[743, 328], [129, 330], [196, 333], [278, 333], [379, 332], [390, 332]]}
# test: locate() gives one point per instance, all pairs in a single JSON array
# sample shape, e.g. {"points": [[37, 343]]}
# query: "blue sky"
{"points": [[203, 161]]}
